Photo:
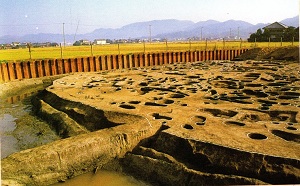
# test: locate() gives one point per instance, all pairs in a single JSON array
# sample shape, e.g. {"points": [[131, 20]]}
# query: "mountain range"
{"points": [[170, 29]]}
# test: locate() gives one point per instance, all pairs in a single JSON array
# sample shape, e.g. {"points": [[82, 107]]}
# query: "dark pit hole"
{"points": [[291, 128], [199, 118], [257, 136], [134, 102], [235, 123], [113, 103], [288, 97], [286, 135], [200, 123], [275, 122], [168, 101], [177, 96], [188, 126], [154, 104], [184, 104], [264, 108], [284, 103], [127, 106], [253, 85], [158, 116], [220, 113]]}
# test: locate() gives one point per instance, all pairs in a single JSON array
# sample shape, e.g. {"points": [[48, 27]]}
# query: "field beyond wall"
{"points": [[7, 55]]}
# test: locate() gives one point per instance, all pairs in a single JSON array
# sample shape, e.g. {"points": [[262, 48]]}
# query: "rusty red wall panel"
{"points": [[47, 68], [114, 62], [91, 60], [126, 61], [165, 58], [60, 66], [19, 70], [86, 66], [97, 64], [141, 60], [67, 66], [103, 62], [130, 60], [26, 70], [73, 63], [33, 69], [40, 70], [4, 67]]}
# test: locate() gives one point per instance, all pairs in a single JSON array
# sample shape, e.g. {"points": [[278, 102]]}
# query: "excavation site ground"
{"points": [[191, 123]]}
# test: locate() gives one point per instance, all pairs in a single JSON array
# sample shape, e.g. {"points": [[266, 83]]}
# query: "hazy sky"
{"points": [[19, 17]]}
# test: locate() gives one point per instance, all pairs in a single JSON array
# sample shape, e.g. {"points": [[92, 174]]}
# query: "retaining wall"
{"points": [[49, 67]]}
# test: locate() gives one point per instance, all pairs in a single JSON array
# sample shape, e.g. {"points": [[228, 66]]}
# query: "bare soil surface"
{"points": [[215, 122]]}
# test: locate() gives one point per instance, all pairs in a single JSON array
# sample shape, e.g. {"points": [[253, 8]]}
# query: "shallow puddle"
{"points": [[101, 178], [19, 128]]}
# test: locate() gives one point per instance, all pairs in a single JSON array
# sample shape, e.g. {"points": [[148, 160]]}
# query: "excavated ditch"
{"points": [[196, 123]]}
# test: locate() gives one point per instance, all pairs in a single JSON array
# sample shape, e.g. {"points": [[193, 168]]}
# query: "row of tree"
{"points": [[290, 34]]}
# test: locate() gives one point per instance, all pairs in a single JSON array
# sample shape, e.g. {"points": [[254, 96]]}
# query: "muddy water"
{"points": [[101, 178], [20, 130]]}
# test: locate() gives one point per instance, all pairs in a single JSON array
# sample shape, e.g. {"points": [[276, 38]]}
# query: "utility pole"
{"points": [[238, 32], [29, 50], [150, 34], [64, 35], [230, 34], [91, 48]]}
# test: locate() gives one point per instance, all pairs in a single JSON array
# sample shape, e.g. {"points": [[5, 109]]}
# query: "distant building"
{"points": [[100, 42], [84, 42], [276, 30]]}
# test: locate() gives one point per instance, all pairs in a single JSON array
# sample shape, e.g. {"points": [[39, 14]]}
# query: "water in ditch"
{"points": [[20, 130]]}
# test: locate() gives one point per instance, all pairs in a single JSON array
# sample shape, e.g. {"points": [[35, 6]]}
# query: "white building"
{"points": [[100, 42]]}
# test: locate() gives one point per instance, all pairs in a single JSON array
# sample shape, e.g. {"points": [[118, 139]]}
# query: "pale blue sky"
{"points": [[19, 17]]}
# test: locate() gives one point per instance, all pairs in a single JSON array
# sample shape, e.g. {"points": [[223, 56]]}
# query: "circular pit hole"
{"points": [[291, 128], [127, 106], [188, 126], [257, 136]]}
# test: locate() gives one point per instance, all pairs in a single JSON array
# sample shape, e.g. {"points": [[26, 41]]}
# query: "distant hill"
{"points": [[294, 21], [169, 28]]}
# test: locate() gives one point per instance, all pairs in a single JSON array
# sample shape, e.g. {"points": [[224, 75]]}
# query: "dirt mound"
{"points": [[282, 53]]}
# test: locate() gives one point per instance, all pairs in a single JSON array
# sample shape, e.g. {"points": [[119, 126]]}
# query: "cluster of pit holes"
{"points": [[289, 127]]}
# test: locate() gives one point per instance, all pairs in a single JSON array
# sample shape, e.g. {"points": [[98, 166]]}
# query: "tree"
{"points": [[77, 43]]}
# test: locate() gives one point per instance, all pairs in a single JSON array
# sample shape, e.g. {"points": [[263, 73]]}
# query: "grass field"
{"points": [[78, 51]]}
